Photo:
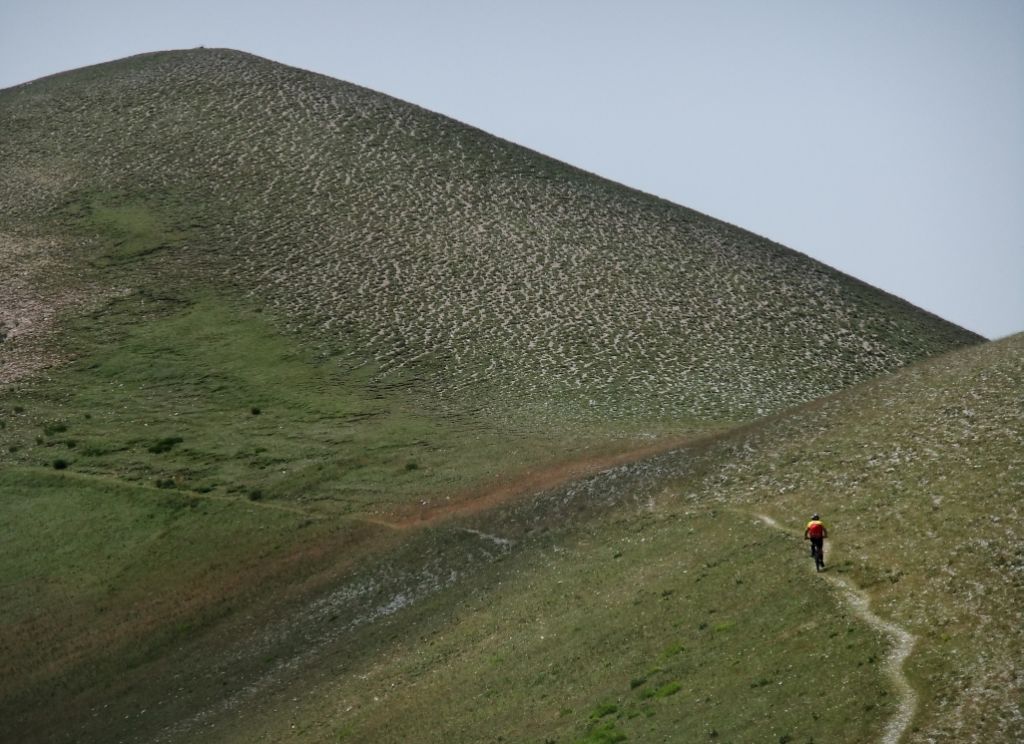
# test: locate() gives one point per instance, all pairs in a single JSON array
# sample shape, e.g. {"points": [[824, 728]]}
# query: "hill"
{"points": [[477, 271], [285, 363]]}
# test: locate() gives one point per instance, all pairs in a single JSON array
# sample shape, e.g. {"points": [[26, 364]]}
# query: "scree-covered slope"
{"points": [[488, 275]]}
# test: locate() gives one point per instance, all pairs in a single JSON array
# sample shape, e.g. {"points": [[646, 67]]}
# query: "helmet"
{"points": [[815, 516]]}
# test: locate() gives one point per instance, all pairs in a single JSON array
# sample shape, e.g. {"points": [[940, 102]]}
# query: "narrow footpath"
{"points": [[903, 644]]}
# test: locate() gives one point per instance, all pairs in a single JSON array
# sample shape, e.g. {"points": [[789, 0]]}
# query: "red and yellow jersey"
{"points": [[815, 528]]}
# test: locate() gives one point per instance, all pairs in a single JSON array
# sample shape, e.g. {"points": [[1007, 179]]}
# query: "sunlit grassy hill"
{"points": [[379, 233]]}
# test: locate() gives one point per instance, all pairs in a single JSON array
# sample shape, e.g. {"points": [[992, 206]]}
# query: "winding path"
{"points": [[903, 644]]}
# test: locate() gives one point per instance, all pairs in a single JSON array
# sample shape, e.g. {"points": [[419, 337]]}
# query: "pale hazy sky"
{"points": [[882, 137]]}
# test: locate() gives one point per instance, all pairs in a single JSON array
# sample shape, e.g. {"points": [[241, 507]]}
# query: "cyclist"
{"points": [[816, 533]]}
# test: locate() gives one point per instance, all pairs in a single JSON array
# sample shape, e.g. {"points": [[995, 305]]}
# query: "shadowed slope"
{"points": [[382, 232]]}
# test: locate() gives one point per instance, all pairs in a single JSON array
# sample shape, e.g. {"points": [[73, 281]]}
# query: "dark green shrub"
{"points": [[165, 445], [60, 464]]}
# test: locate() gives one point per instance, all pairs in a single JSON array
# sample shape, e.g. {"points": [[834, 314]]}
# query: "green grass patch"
{"points": [[674, 650], [605, 709], [668, 690], [126, 227], [326, 435], [93, 566], [605, 733]]}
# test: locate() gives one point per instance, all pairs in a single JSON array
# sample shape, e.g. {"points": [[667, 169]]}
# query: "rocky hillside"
{"points": [[483, 274]]}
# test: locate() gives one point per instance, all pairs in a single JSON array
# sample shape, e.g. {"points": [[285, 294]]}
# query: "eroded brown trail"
{"points": [[520, 485]]}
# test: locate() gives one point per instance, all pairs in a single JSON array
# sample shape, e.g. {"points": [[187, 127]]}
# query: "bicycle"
{"points": [[818, 553]]}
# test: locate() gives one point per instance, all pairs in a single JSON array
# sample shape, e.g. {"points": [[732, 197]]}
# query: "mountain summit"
{"points": [[483, 274]]}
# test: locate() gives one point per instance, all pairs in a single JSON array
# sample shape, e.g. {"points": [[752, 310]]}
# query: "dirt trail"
{"points": [[903, 644], [521, 484]]}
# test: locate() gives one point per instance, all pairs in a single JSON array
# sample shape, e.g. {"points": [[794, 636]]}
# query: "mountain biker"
{"points": [[816, 533]]}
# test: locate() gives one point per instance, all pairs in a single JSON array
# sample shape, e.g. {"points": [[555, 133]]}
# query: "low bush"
{"points": [[165, 445]]}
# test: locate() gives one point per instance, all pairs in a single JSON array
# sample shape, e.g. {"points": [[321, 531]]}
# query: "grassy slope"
{"points": [[206, 397], [921, 477], [83, 553], [178, 506], [117, 596], [677, 613], [656, 627]]}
